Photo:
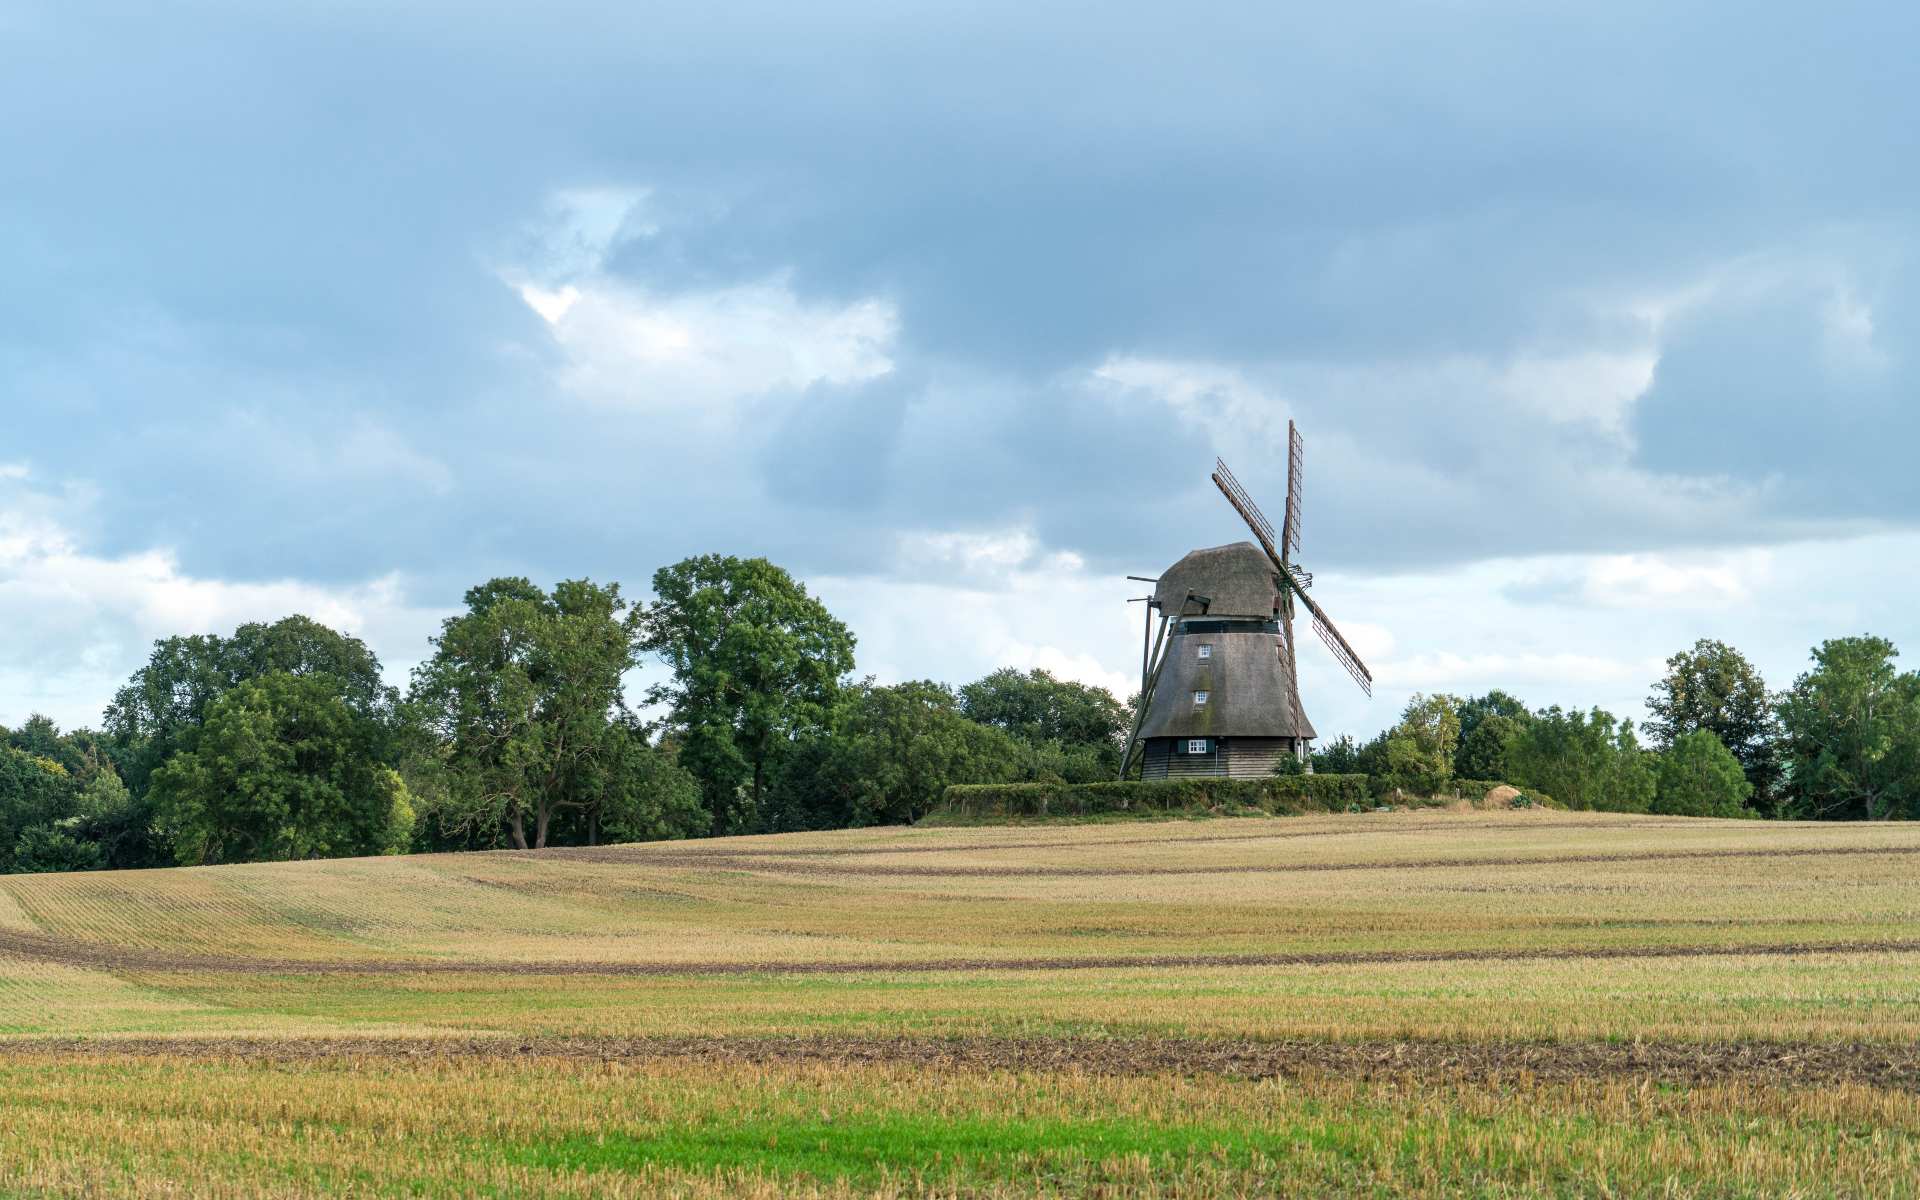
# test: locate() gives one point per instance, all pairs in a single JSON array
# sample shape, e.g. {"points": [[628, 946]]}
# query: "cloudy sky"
{"points": [[1601, 322]]}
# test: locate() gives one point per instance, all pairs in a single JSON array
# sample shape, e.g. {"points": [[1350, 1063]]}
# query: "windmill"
{"points": [[1220, 684]]}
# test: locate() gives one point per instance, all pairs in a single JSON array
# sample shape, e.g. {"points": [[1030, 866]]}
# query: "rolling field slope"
{"points": [[1443, 1003]]}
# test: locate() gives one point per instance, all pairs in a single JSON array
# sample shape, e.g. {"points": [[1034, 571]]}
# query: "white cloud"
{"points": [[1643, 581], [553, 304], [1443, 670], [77, 623], [1596, 389], [963, 603], [1847, 332], [694, 352], [708, 350]]}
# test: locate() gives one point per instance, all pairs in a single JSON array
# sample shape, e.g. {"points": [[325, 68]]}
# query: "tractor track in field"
{"points": [[104, 956], [1779, 1064], [777, 865], [1408, 829]]}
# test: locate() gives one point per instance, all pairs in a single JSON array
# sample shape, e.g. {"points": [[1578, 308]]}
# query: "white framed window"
{"points": [[1199, 699], [1197, 746], [1206, 650]]}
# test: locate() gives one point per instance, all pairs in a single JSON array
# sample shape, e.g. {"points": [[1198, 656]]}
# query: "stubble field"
{"points": [[1508, 1003]]}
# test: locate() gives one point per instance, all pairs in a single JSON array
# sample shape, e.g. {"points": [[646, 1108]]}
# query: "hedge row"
{"points": [[1281, 794]]}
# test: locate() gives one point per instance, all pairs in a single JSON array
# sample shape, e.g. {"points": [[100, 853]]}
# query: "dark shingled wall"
{"points": [[1246, 682]]}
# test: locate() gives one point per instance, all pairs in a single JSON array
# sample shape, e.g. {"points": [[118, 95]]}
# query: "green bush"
{"points": [[1700, 777], [1281, 794]]}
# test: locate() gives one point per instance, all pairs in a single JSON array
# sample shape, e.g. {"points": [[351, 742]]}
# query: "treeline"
{"points": [[1842, 743], [284, 741]]}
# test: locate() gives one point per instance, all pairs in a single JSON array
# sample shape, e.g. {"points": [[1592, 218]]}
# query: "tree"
{"points": [[1341, 756], [162, 706], [282, 768], [888, 757], [40, 737], [521, 696], [35, 792], [1700, 777], [756, 663], [1583, 760], [1495, 703], [47, 848], [640, 793], [106, 815], [1075, 731], [1420, 749], [1713, 687], [1852, 734], [1484, 752], [152, 716], [1036, 707]]}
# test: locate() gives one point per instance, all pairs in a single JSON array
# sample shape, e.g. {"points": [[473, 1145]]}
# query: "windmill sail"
{"points": [[1243, 503], [1263, 530], [1296, 470], [1342, 653]]}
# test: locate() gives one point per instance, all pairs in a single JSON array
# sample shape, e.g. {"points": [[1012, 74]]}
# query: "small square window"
{"points": [[1197, 746], [1199, 698], [1206, 650]]}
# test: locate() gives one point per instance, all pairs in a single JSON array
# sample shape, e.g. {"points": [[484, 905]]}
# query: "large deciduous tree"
{"points": [[887, 757], [1495, 703], [1583, 760], [1341, 756], [1488, 726], [523, 695], [1484, 753], [170, 695], [756, 662], [1700, 777], [1713, 687], [1036, 707], [281, 767], [1851, 731], [643, 794], [162, 707], [35, 792], [1419, 751], [1072, 731]]}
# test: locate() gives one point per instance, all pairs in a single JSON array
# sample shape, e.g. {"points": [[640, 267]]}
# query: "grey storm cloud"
{"points": [[255, 296]]}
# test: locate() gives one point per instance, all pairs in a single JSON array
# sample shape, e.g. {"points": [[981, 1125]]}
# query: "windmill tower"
{"points": [[1220, 685]]}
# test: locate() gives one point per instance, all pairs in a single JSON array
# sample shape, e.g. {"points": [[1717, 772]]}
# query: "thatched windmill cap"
{"points": [[1236, 579]]}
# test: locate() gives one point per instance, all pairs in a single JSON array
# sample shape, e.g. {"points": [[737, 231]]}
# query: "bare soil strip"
{"points": [[101, 956], [1432, 825], [1780, 1064], [772, 865]]}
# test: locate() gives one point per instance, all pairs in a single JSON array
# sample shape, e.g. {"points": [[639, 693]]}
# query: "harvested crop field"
{"points": [[1502, 1003]]}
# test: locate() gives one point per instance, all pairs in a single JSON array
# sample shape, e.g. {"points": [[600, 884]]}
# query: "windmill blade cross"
{"points": [[1263, 530]]}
